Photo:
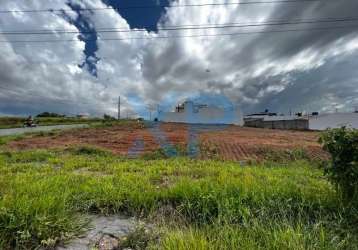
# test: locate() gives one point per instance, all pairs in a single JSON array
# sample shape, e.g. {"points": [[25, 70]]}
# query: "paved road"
{"points": [[17, 131]]}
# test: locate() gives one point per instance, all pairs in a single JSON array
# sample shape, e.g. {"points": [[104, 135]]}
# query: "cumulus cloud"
{"points": [[308, 69]]}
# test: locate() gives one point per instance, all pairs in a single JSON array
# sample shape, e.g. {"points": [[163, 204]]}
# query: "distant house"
{"points": [[277, 122], [273, 121], [189, 112], [333, 120]]}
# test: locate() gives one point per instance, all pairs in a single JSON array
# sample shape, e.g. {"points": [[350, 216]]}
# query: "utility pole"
{"points": [[119, 108]]}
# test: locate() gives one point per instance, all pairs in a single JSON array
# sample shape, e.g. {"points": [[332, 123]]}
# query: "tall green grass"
{"points": [[281, 234], [45, 195]]}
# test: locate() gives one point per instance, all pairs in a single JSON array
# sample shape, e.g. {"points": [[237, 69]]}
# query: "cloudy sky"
{"points": [[70, 61]]}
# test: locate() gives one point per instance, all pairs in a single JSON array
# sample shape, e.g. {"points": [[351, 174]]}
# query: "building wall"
{"points": [[334, 120], [281, 118], [205, 115], [319, 122], [296, 124]]}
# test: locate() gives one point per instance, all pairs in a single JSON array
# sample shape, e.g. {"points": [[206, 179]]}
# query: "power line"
{"points": [[156, 6], [182, 36], [183, 27]]}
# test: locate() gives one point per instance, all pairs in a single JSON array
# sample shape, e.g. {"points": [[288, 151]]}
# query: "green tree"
{"points": [[108, 117], [342, 170], [49, 114]]}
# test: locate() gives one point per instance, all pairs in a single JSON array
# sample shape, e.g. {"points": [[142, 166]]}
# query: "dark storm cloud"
{"points": [[274, 46], [221, 86], [290, 43], [335, 82], [245, 55], [157, 60], [300, 70]]}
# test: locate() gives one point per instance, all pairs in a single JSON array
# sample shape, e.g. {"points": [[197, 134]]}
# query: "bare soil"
{"points": [[228, 142], [240, 143]]}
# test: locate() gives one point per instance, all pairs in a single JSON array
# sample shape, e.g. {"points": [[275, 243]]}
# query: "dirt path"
{"points": [[18, 131]]}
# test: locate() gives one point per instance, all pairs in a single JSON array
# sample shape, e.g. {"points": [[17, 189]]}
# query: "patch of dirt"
{"points": [[118, 139], [241, 143], [105, 234], [226, 142]]}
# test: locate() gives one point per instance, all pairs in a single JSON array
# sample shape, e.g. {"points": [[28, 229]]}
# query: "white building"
{"points": [[334, 120], [189, 112]]}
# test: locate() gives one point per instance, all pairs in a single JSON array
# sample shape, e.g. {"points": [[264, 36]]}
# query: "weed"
{"points": [[155, 155], [282, 156], [280, 234], [54, 132], [166, 153], [140, 238], [209, 151], [89, 150]]}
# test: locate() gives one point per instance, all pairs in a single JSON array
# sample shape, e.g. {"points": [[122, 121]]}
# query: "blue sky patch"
{"points": [[141, 18], [146, 18], [87, 34]]}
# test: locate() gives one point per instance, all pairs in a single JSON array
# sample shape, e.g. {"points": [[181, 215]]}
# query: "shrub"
{"points": [[283, 156], [342, 144], [89, 150], [140, 238], [108, 117]]}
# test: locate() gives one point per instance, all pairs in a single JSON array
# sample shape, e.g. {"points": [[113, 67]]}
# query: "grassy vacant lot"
{"points": [[16, 122], [45, 196]]}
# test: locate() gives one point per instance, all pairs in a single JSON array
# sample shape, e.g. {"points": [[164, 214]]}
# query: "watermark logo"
{"points": [[202, 114]]}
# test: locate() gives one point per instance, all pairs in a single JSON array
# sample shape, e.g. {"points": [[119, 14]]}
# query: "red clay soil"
{"points": [[236, 143], [231, 142]]}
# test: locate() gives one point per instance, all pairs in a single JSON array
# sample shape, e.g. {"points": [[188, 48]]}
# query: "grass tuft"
{"points": [[89, 150]]}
